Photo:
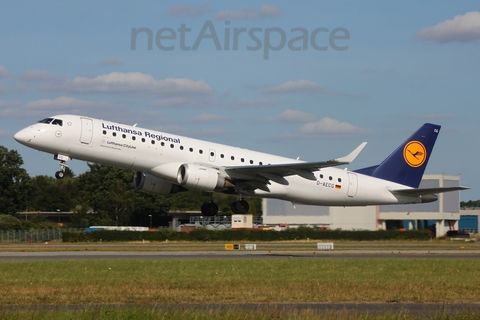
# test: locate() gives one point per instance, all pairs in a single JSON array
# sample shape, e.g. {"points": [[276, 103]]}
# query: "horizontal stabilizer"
{"points": [[425, 191]]}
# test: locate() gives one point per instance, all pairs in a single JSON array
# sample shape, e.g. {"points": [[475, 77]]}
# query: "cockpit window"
{"points": [[56, 122], [46, 120]]}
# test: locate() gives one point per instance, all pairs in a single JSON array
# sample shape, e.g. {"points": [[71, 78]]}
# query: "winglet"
{"points": [[349, 158]]}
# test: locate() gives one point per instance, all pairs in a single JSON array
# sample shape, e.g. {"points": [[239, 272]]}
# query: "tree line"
{"points": [[103, 195]]}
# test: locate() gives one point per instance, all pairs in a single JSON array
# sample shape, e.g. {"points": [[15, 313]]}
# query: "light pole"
{"points": [[150, 220]]}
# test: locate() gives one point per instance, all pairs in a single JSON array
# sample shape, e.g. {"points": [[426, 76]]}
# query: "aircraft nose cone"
{"points": [[22, 136]]}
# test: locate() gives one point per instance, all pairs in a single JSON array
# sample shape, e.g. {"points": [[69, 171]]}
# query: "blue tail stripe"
{"points": [[407, 163]]}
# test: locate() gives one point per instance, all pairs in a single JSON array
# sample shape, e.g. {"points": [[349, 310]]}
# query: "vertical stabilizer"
{"points": [[407, 163]]}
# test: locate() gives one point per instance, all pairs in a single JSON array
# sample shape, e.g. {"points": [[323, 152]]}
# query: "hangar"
{"points": [[445, 212]]}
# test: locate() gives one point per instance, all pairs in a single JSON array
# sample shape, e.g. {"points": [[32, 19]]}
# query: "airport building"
{"points": [[439, 216]]}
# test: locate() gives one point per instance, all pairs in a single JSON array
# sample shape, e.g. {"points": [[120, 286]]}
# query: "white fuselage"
{"points": [[161, 154]]}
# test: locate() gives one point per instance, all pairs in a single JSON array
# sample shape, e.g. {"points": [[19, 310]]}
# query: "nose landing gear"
{"points": [[63, 159]]}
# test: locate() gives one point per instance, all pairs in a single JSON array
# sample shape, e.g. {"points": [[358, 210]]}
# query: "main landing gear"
{"points": [[210, 208], [63, 159]]}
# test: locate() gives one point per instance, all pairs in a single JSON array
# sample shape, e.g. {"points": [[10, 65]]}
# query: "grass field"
{"points": [[243, 280], [183, 282], [203, 281], [231, 314]]}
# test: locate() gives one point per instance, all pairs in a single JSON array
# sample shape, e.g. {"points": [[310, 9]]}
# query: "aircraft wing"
{"points": [[276, 172], [425, 191]]}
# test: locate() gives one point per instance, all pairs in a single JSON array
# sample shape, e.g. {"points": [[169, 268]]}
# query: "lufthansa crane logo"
{"points": [[414, 154]]}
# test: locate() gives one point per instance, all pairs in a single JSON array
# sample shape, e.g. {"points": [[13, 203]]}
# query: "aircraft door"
{"points": [[87, 130], [352, 185]]}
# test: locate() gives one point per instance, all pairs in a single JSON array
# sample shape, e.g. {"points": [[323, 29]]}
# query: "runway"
{"points": [[241, 254]]}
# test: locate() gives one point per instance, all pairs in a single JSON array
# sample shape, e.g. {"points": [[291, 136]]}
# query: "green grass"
{"points": [[243, 280]]}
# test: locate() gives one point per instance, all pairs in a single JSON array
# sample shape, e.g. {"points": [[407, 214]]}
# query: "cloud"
{"points": [[64, 102], [132, 83], [43, 107], [293, 116], [40, 75], [310, 87], [188, 10], [297, 86], [182, 101], [265, 11], [3, 72], [46, 107], [208, 118], [463, 28], [257, 102], [330, 126], [111, 61], [7, 104]]}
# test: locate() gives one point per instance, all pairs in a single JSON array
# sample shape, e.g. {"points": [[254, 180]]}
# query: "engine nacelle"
{"points": [[150, 184], [193, 176]]}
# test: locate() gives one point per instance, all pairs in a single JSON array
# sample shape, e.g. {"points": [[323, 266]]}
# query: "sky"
{"points": [[309, 79]]}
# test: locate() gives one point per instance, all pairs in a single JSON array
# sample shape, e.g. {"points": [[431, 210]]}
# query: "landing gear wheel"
{"points": [[240, 207], [59, 174], [209, 209], [63, 159]]}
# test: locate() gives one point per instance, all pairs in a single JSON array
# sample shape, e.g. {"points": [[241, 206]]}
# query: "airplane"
{"points": [[167, 163]]}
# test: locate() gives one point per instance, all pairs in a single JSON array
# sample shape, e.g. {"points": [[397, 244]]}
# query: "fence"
{"points": [[32, 236]]}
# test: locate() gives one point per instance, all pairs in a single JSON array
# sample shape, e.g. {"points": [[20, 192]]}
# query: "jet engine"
{"points": [[150, 184], [193, 176]]}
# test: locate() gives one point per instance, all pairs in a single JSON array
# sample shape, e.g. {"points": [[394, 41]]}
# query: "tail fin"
{"points": [[407, 163]]}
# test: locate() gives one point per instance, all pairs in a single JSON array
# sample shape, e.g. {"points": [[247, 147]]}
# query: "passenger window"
{"points": [[200, 151], [114, 134], [251, 161], [133, 138], [143, 139], [232, 157]]}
